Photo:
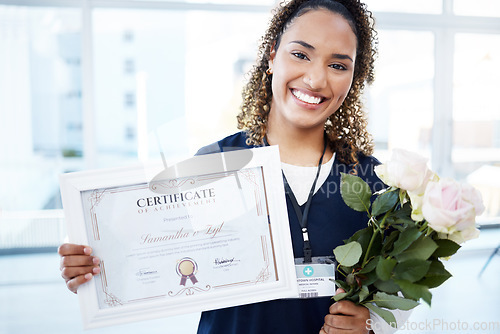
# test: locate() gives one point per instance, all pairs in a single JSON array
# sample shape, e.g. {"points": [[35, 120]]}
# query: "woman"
{"points": [[303, 95]]}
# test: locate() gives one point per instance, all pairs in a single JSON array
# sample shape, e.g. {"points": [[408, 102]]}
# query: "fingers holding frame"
{"points": [[77, 265]]}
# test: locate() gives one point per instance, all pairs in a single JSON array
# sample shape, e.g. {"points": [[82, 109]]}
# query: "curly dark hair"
{"points": [[346, 129]]}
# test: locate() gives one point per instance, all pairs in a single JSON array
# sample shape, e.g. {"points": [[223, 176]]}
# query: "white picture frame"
{"points": [[244, 205]]}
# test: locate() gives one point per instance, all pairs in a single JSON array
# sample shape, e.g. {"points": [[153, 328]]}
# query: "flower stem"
{"points": [[341, 271], [376, 229], [424, 226]]}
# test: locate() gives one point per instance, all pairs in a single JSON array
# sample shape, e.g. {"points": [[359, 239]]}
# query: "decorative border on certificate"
{"points": [[211, 237]]}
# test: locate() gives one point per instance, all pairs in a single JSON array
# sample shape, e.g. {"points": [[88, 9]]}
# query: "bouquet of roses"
{"points": [[412, 225]]}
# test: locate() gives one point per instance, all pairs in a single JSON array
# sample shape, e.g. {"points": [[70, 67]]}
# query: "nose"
{"points": [[315, 77]]}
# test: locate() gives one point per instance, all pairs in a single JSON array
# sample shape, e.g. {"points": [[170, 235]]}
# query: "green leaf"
{"points": [[384, 202], [362, 236], [345, 270], [404, 212], [388, 286], [400, 223], [406, 238], [411, 270], [371, 265], [389, 241], [405, 221], [384, 268], [340, 296], [353, 298], [363, 293], [355, 192], [393, 302], [368, 278], [436, 275], [421, 249], [342, 284], [348, 255], [415, 291], [384, 314], [399, 228], [446, 248]]}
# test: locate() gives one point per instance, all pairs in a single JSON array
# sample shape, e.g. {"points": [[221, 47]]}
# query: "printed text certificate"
{"points": [[193, 243], [187, 242]]}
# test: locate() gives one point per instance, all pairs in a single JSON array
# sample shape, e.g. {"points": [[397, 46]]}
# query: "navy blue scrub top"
{"points": [[330, 222]]}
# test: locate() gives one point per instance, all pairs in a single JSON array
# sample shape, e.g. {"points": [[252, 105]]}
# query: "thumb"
{"points": [[339, 290]]}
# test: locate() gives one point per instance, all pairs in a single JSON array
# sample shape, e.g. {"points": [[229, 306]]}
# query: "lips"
{"points": [[311, 99]]}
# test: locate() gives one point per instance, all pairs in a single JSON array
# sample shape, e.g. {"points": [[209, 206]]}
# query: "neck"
{"points": [[300, 147]]}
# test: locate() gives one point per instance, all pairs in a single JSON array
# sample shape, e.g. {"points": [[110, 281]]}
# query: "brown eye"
{"points": [[300, 55], [338, 67]]}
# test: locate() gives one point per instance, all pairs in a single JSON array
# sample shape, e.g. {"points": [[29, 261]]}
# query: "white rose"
{"points": [[405, 170], [408, 171], [416, 206]]}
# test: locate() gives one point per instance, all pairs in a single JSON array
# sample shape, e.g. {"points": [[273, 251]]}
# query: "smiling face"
{"points": [[313, 69]]}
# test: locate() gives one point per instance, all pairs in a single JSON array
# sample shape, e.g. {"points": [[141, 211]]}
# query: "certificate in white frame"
{"points": [[213, 235]]}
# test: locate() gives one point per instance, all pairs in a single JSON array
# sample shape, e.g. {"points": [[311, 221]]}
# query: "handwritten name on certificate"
{"points": [[172, 246]]}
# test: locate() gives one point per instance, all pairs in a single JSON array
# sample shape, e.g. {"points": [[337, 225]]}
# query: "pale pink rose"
{"points": [[450, 207], [473, 196], [405, 170], [461, 236]]}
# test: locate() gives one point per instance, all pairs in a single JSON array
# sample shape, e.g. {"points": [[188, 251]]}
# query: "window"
{"points": [[406, 6], [433, 91], [489, 8], [149, 73], [188, 73], [41, 105], [401, 99], [88, 84], [129, 66], [128, 36], [129, 100]]}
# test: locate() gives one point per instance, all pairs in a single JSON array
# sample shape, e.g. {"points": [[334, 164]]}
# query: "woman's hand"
{"points": [[77, 265], [346, 317]]}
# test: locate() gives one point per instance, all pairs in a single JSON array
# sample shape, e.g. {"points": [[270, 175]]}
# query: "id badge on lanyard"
{"points": [[315, 279], [315, 275]]}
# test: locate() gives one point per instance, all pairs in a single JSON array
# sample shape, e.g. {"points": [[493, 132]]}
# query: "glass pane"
{"points": [[406, 6], [40, 99], [479, 8], [139, 61], [401, 99], [229, 2], [221, 49], [476, 115], [239, 2], [168, 80]]}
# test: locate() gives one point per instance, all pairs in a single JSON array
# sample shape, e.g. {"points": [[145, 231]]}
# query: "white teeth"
{"points": [[306, 98]]}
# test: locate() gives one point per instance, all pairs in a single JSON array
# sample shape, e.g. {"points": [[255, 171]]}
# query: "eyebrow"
{"points": [[310, 47]]}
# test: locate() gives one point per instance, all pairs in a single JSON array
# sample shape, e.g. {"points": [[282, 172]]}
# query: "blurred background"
{"points": [[88, 84]]}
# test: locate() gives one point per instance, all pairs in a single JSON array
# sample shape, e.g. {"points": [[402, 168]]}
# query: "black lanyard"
{"points": [[302, 217]]}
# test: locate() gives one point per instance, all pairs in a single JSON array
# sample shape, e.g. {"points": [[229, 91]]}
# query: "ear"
{"points": [[272, 55]]}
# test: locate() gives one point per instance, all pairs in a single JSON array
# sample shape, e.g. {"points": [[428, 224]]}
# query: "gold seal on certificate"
{"points": [[187, 268], [212, 237]]}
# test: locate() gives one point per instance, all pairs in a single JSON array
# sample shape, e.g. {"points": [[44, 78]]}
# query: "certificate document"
{"points": [[214, 238]]}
